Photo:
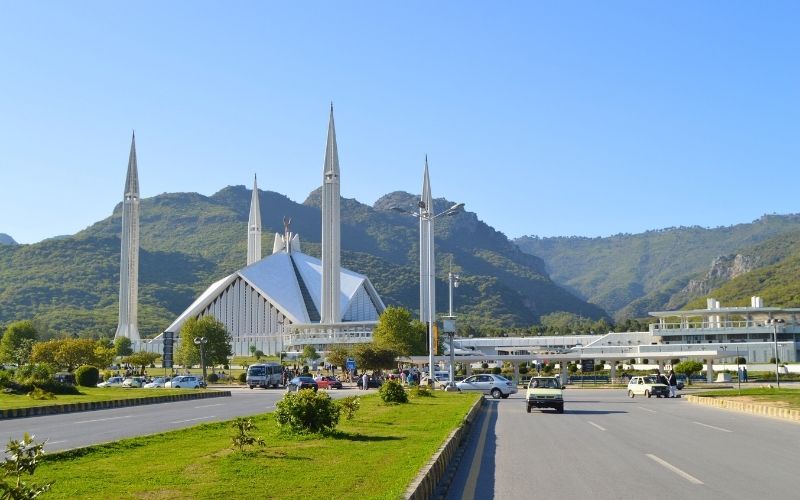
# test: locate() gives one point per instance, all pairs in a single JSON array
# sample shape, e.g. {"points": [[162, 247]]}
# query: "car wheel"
{"points": [[251, 387], [560, 409], [505, 396], [630, 393], [496, 394], [647, 393], [658, 396], [529, 408]]}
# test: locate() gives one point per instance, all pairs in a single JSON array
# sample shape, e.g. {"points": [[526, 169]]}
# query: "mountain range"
{"points": [[70, 284]]}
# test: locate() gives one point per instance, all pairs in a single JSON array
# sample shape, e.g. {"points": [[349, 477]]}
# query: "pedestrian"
{"points": [[365, 381], [673, 384], [744, 373], [662, 379], [410, 379], [740, 374]]}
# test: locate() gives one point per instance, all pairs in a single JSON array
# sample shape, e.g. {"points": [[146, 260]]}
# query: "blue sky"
{"points": [[545, 118]]}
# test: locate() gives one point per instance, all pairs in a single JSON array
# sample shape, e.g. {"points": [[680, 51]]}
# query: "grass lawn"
{"points": [[784, 398], [88, 395], [375, 455]]}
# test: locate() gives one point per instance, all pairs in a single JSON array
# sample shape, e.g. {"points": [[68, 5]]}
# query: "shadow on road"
{"points": [[360, 437], [477, 467]]}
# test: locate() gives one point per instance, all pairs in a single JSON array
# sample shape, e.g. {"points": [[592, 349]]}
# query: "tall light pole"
{"points": [[426, 214], [775, 322], [202, 341], [450, 329]]}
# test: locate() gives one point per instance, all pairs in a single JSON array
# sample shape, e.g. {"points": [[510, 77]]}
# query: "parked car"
{"points": [[302, 382], [65, 378], [545, 392], [440, 382], [136, 382], [184, 382], [157, 382], [112, 382], [647, 386], [374, 382], [327, 382], [495, 385]]}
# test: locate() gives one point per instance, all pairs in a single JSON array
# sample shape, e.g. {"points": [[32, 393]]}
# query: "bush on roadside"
{"points": [[213, 378], [87, 376], [242, 378], [41, 394], [422, 391], [243, 437], [307, 411], [349, 406], [40, 375], [392, 391], [22, 458]]}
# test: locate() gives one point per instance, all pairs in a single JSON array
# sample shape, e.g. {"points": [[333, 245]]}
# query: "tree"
{"points": [[309, 353], [688, 368], [66, 353], [141, 359], [123, 346], [372, 357], [218, 344], [337, 355], [17, 342], [396, 331]]}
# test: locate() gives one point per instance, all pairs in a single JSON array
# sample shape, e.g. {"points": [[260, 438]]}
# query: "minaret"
{"points": [[331, 247], [427, 265], [129, 254], [254, 227]]}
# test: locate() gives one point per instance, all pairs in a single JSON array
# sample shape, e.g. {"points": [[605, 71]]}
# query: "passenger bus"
{"points": [[264, 375]]}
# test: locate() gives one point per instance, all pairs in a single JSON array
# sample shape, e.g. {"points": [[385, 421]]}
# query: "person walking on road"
{"points": [[673, 384], [744, 373], [365, 381]]}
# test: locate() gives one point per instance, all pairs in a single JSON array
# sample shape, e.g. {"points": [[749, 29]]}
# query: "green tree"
{"points": [[397, 331], [17, 342], [123, 346], [337, 355], [218, 344], [372, 357], [309, 353], [141, 359], [66, 353], [688, 368]]}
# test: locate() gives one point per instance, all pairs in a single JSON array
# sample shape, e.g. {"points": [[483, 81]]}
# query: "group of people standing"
{"points": [[670, 381]]}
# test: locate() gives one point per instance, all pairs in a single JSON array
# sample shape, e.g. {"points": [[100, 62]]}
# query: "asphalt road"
{"points": [[607, 446], [74, 430]]}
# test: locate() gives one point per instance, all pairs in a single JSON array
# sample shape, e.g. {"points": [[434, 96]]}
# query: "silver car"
{"points": [[495, 385]]}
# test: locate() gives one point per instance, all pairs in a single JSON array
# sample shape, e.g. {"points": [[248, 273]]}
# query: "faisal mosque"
{"points": [[281, 302]]}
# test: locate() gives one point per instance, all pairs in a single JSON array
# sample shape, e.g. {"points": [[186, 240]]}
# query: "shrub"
{"points": [[392, 392], [485, 365], [41, 394], [87, 376], [307, 411], [523, 370], [741, 361], [242, 378], [23, 458], [242, 438], [349, 406], [213, 378], [422, 391], [497, 370]]}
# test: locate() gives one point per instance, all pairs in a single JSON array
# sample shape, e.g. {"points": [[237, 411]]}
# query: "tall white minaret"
{"points": [[331, 247], [128, 325], [254, 227], [427, 268]]}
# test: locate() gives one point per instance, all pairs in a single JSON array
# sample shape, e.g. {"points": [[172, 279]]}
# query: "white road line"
{"points": [[646, 409], [209, 406], [191, 419], [102, 419], [712, 427], [598, 426], [674, 469], [56, 442]]}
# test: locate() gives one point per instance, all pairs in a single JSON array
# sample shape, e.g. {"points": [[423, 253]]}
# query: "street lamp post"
{"points": [[202, 341], [426, 214], [452, 280], [775, 322]]}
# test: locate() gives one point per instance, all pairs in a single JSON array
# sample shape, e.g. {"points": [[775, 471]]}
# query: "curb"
{"points": [[102, 405], [752, 408], [424, 486]]}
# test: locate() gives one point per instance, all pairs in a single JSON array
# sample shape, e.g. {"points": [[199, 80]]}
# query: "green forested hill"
{"points": [[70, 285], [629, 274]]}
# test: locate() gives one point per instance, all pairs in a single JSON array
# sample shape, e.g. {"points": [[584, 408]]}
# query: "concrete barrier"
{"points": [[99, 405], [424, 486], [747, 407]]}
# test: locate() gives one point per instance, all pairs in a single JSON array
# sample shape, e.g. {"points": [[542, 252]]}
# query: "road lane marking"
{"points": [[712, 427], [646, 409], [56, 442], [102, 419], [209, 406], [475, 466], [674, 469], [598, 426], [191, 419]]}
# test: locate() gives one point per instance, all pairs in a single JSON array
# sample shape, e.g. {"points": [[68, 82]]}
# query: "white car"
{"points": [[441, 381], [647, 386], [495, 385], [156, 383], [184, 382], [112, 382], [136, 382]]}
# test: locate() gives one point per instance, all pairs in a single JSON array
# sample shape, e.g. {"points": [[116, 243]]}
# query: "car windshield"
{"points": [[305, 379], [544, 383], [651, 380], [501, 378], [257, 370]]}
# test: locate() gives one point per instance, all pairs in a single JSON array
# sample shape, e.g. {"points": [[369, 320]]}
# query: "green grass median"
{"points": [[88, 395], [783, 398], [375, 455]]}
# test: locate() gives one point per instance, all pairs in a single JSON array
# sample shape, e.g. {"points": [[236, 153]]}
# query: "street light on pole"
{"points": [[775, 322], [426, 214], [202, 341], [450, 330]]}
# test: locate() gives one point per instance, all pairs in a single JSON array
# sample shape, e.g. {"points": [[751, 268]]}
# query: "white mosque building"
{"points": [[290, 299]]}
